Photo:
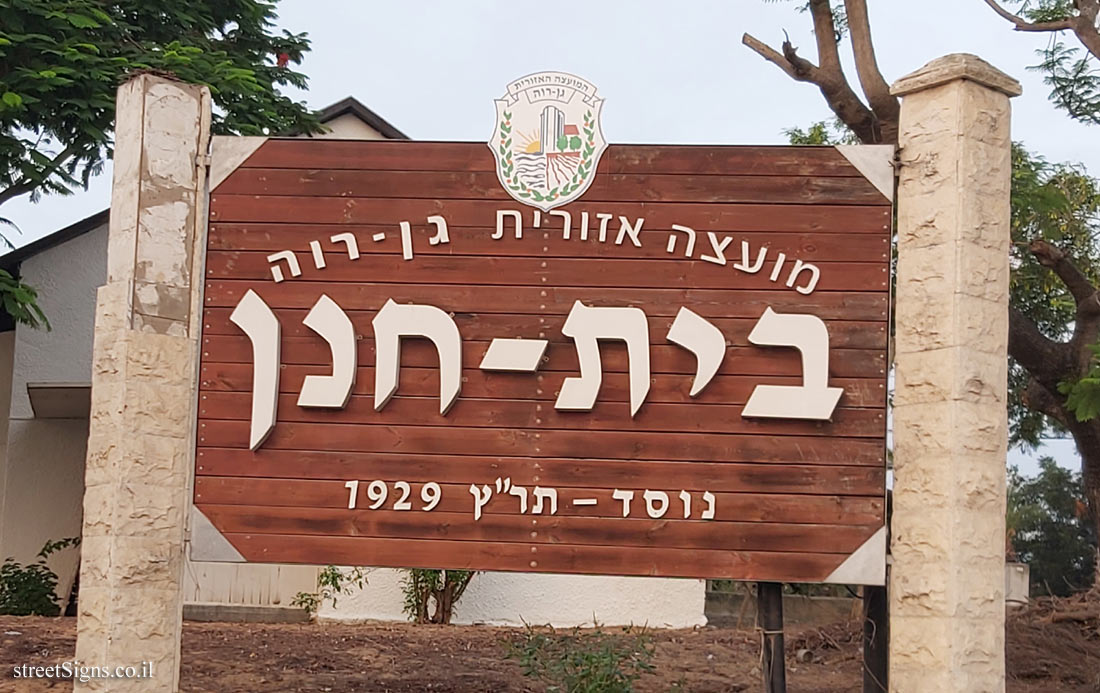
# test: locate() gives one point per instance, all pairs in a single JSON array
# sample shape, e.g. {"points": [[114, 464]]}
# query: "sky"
{"points": [[671, 72]]}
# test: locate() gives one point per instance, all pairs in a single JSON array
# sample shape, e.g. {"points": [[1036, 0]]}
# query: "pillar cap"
{"points": [[955, 67]]}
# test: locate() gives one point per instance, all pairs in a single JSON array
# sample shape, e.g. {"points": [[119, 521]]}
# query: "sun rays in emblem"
{"points": [[529, 142]]}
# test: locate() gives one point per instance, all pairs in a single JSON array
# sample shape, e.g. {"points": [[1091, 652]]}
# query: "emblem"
{"points": [[547, 140]]}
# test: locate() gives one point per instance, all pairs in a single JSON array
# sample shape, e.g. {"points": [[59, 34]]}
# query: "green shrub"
{"points": [[431, 595], [584, 661], [331, 583], [31, 590]]}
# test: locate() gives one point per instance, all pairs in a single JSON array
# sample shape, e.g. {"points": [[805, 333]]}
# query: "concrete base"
{"points": [[235, 613]]}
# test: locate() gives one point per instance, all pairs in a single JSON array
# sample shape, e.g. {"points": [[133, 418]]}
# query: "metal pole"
{"points": [[876, 639], [769, 617]]}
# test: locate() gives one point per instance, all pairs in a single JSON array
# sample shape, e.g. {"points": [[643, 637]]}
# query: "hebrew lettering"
{"points": [[700, 337], [348, 239], [318, 254], [625, 497], [261, 326], [406, 241], [395, 321], [743, 263], [481, 498], [814, 399], [708, 498], [566, 224], [632, 230], [332, 323], [441, 235], [656, 503], [291, 263], [815, 275], [719, 257], [689, 244], [589, 325], [541, 494], [502, 214]]}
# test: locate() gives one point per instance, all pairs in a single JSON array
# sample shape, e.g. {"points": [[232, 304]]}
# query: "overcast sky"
{"points": [[671, 72]]}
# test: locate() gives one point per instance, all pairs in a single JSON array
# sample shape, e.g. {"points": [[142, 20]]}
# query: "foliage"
{"points": [[1049, 530], [822, 132], [62, 60], [20, 301], [1070, 73], [1059, 203], [30, 590], [584, 661], [431, 595], [331, 583]]}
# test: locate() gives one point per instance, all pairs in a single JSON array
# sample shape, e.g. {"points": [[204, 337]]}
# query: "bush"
{"points": [[31, 590], [330, 585], [431, 595], [584, 661]]}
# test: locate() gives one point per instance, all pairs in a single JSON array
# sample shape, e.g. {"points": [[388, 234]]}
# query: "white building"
{"points": [[44, 431]]}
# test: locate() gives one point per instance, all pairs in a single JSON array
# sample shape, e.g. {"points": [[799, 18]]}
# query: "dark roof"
{"points": [[10, 261], [352, 105]]}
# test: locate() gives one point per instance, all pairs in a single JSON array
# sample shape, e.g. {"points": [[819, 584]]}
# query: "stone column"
{"points": [[143, 377], [950, 419]]}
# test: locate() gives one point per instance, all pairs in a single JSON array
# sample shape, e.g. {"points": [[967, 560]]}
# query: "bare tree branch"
{"points": [[1022, 24], [1056, 260], [771, 55], [828, 54], [884, 105], [1045, 359], [1042, 400], [834, 87]]}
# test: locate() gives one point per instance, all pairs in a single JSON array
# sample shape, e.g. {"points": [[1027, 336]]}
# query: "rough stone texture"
{"points": [[950, 422], [143, 373]]}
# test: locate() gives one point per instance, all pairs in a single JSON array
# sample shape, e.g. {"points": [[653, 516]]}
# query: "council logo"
{"points": [[547, 140]]}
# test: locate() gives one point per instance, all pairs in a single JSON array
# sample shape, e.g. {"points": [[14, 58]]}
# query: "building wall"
{"points": [[43, 467], [512, 599]]}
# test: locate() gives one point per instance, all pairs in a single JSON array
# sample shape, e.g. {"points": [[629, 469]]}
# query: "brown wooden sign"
{"points": [[634, 383]]}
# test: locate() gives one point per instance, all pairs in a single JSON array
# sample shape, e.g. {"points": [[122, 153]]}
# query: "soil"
{"points": [[1045, 653]]}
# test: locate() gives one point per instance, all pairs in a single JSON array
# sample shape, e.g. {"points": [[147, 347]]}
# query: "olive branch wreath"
{"points": [[519, 188]]}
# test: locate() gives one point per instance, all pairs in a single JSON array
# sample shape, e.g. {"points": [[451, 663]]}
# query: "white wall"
{"points": [[44, 458], [512, 599]]}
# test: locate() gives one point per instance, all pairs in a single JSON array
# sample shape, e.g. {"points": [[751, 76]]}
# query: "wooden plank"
{"points": [[820, 508], [843, 334], [664, 358], [699, 216], [562, 472], [455, 440], [578, 272], [619, 158], [494, 527], [546, 242], [631, 187], [552, 300], [532, 414], [424, 382], [553, 558]]}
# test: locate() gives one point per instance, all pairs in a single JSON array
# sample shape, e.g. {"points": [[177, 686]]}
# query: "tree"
{"points": [[62, 60], [1054, 314], [1074, 83], [1047, 528]]}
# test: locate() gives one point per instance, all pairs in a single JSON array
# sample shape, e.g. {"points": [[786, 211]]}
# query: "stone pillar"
{"points": [[950, 418], [143, 377]]}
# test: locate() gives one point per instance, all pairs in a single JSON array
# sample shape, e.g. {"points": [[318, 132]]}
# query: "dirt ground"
{"points": [[1045, 653]]}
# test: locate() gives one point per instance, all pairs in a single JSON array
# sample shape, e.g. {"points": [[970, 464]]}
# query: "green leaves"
{"points": [[61, 62], [20, 301]]}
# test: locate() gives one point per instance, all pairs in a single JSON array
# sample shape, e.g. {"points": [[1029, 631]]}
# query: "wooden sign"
{"points": [[680, 373]]}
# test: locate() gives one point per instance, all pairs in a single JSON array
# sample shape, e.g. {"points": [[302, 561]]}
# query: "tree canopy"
{"points": [[61, 62]]}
